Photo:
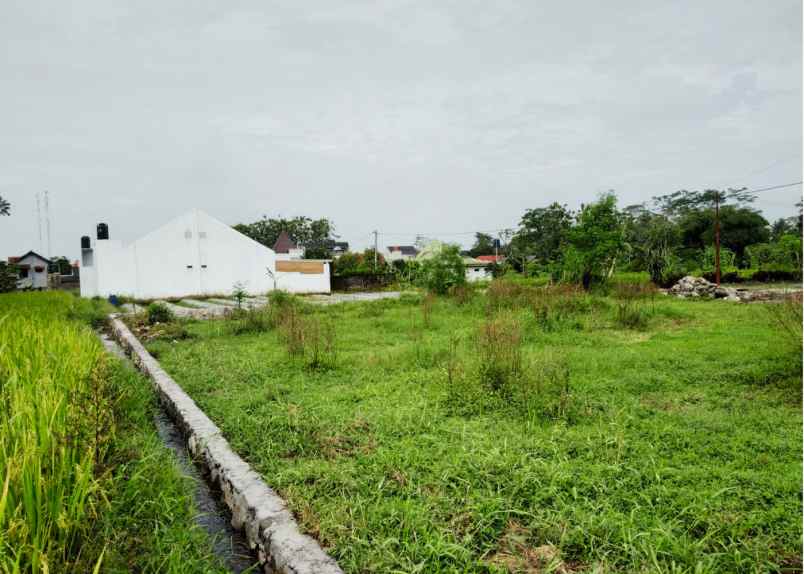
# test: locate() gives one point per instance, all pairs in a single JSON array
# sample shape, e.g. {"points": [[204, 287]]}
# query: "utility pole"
{"points": [[47, 222], [39, 221], [375, 251], [717, 238]]}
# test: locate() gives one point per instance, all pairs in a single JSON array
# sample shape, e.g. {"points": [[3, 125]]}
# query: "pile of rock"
{"points": [[690, 286]]}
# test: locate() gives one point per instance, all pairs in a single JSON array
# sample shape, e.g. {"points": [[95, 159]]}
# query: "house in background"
{"points": [[491, 258], [400, 253], [194, 254], [477, 269], [285, 248], [338, 248], [32, 270]]}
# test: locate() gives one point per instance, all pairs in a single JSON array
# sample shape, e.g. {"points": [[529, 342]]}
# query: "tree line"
{"points": [[669, 237]]}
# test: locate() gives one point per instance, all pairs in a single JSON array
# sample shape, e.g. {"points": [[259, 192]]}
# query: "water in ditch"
{"points": [[214, 516]]}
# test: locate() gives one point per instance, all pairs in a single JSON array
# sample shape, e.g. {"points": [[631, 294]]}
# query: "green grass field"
{"points": [[85, 483], [533, 437]]}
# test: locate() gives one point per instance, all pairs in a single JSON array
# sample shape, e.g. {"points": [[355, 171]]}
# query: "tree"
{"points": [[652, 240], [314, 235], [595, 242], [442, 270], [5, 206], [739, 228], [484, 245], [542, 233], [780, 227], [8, 277]]}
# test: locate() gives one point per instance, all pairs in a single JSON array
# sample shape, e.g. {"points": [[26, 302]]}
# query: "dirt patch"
{"points": [[516, 555]]}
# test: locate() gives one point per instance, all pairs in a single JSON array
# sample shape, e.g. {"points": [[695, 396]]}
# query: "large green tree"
{"points": [[739, 228], [542, 232], [315, 235], [652, 240], [443, 270], [595, 243]]}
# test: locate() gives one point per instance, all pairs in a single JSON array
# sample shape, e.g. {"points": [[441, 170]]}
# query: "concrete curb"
{"points": [[270, 527]]}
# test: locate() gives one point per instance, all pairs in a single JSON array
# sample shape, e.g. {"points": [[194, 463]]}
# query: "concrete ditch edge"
{"points": [[270, 527]]}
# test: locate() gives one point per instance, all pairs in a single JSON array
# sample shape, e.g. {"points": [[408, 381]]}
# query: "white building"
{"points": [[32, 270], [400, 253], [194, 254], [477, 270]]}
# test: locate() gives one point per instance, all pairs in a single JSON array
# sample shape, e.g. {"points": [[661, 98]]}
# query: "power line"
{"points": [[503, 229], [775, 187]]}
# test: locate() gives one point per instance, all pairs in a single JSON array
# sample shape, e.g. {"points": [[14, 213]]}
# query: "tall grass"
{"points": [[54, 427]]}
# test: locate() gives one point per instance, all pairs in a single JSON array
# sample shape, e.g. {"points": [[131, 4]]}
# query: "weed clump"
{"points": [[427, 310], [461, 294], [631, 301], [306, 336], [500, 377], [246, 321], [159, 313]]}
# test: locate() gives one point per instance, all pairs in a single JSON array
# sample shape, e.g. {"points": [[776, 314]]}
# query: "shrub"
{"points": [[279, 298], [443, 270], [243, 321], [239, 294], [159, 313]]}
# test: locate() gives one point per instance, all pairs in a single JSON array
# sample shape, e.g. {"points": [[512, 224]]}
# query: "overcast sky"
{"points": [[405, 116]]}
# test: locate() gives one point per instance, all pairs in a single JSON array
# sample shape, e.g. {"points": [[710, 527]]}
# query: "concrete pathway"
{"points": [[352, 297]]}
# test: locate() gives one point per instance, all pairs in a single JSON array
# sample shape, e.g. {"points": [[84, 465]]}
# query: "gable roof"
{"points": [[404, 249], [284, 243], [35, 254], [490, 258]]}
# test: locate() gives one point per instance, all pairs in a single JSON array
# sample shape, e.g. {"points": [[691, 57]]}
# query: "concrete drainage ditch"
{"points": [[255, 509], [214, 517]]}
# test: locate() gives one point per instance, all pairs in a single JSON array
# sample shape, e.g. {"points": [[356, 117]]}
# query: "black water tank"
{"points": [[103, 231], [85, 242]]}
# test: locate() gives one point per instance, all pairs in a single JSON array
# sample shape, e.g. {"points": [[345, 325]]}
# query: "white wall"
{"points": [[478, 274], [193, 254], [304, 282], [38, 278]]}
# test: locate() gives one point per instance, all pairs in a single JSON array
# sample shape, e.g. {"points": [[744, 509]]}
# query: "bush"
{"points": [[243, 321], [443, 270], [159, 313]]}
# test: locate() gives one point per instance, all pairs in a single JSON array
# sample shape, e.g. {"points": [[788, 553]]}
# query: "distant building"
{"points": [[194, 254], [477, 269], [286, 249], [338, 248], [400, 252], [491, 258], [32, 270]]}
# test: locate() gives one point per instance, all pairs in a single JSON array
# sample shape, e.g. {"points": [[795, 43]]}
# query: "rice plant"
{"points": [[54, 427]]}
